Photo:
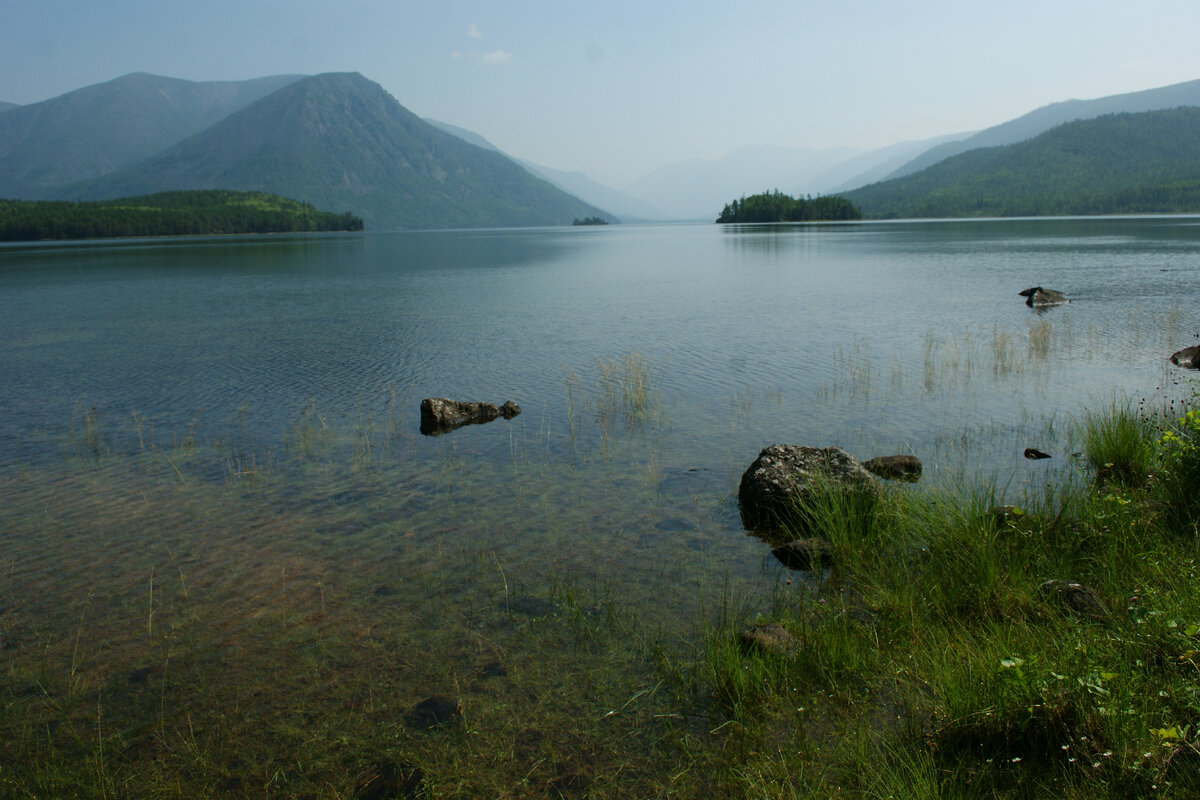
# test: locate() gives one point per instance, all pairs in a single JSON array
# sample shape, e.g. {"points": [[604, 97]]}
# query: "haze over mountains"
{"points": [[342, 143]]}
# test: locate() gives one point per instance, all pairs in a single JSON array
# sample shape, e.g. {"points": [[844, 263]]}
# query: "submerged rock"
{"points": [[768, 637], [1033, 454], [1037, 297], [387, 780], [434, 712], [1076, 597], [805, 554], [439, 415], [898, 468], [783, 475], [1188, 357]]}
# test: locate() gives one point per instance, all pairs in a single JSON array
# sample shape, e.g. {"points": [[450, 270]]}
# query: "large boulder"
{"points": [[783, 475], [1188, 357], [439, 415], [1037, 297]]}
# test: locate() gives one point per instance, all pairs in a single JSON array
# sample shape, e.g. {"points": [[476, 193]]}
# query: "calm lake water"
{"points": [[210, 464]]}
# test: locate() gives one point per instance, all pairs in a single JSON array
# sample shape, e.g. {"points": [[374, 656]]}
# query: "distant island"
{"points": [[589, 221], [195, 213], [777, 207]]}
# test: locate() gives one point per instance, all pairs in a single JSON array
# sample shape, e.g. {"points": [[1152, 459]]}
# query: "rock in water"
{"points": [[898, 468], [439, 415], [783, 475], [1188, 357], [805, 554], [1037, 297], [1033, 454]]}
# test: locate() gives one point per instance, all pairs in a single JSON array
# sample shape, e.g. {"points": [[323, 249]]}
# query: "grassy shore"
{"points": [[308, 626]]}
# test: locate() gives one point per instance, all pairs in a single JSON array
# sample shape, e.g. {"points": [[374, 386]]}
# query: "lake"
{"points": [[210, 456]]}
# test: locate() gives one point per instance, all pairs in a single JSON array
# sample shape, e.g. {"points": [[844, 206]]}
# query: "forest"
{"points": [[194, 213], [777, 207]]}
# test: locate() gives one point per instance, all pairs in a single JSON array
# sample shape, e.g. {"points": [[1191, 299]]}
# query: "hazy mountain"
{"points": [[342, 143], [1047, 117], [6, 106], [877, 165], [575, 182], [98, 129], [698, 189], [1118, 163]]}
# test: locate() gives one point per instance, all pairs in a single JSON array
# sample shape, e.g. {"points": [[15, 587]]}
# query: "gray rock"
{"points": [[783, 475], [898, 468], [805, 554], [439, 415], [1037, 297], [1188, 357], [1076, 597]]}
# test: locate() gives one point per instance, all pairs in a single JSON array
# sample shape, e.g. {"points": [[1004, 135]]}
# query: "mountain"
{"points": [[6, 106], [340, 142], [877, 165], [1047, 117], [575, 183], [697, 188], [1118, 163], [98, 129]]}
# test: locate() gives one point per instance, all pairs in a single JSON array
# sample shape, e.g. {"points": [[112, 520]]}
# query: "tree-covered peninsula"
{"points": [[777, 207], [167, 214]]}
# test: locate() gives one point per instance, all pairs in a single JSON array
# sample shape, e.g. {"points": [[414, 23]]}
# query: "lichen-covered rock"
{"points": [[783, 475], [1188, 357], [439, 415], [897, 468]]}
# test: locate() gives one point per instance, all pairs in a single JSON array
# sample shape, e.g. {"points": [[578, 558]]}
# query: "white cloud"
{"points": [[457, 55], [497, 57], [474, 31]]}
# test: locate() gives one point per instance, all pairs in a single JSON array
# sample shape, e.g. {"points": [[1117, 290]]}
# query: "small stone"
{"points": [[1076, 597], [1033, 454], [768, 637], [1188, 357], [897, 468], [805, 554], [387, 780]]}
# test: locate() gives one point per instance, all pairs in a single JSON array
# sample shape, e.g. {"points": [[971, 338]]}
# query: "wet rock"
{"points": [[388, 780], [439, 415], [434, 712], [529, 606], [1076, 597], [143, 674], [1188, 357], [783, 475], [1037, 297], [768, 637], [1033, 454], [897, 468], [805, 554]]}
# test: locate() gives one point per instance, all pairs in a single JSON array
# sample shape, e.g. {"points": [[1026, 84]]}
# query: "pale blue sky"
{"points": [[617, 88]]}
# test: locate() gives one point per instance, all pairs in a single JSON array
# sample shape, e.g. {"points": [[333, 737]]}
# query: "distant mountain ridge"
{"points": [[6, 106], [1047, 117], [340, 142], [95, 130], [576, 183], [1117, 163]]}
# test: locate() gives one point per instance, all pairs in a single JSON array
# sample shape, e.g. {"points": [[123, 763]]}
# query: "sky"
{"points": [[618, 88]]}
